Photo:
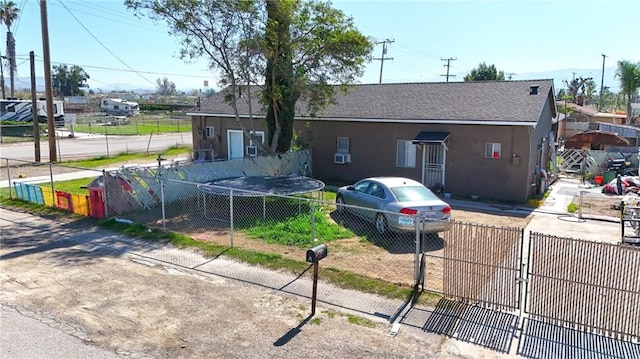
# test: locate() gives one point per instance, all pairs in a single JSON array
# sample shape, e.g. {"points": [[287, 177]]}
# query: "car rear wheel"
{"points": [[381, 223], [339, 204]]}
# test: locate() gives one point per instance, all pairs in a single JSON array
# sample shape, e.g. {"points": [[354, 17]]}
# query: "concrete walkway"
{"points": [[552, 216]]}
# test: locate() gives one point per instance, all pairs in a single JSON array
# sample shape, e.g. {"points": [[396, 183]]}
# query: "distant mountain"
{"points": [[557, 75], [25, 83]]}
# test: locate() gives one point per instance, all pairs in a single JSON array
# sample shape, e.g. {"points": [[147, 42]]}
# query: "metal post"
{"points": [[53, 190], [231, 213], [9, 178], [106, 205], [149, 143], [315, 288], [416, 259], [106, 137], [58, 142], [580, 207], [313, 223], [164, 222], [622, 220], [264, 207]]}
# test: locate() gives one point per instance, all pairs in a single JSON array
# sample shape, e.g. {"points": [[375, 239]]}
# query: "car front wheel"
{"points": [[381, 223], [339, 204]]}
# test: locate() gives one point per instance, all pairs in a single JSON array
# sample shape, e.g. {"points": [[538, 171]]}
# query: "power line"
{"points": [[448, 65], [105, 47], [112, 19], [384, 52], [17, 25], [416, 51], [125, 70]]}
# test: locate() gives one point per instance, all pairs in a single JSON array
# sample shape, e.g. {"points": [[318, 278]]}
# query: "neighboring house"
{"points": [[583, 118], [119, 107], [629, 132], [488, 139]]}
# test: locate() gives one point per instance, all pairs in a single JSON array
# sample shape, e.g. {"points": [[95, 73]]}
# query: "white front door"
{"points": [[235, 144]]}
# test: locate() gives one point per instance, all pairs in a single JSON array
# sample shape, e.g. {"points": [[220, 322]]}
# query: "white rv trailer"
{"points": [[119, 107], [20, 110]]}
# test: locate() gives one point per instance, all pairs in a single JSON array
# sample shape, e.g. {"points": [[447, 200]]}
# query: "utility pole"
{"points": [[51, 128], [448, 65], [602, 84], [384, 52], [34, 108], [510, 74], [2, 76]]}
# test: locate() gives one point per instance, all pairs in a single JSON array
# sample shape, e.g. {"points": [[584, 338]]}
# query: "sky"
{"points": [[525, 38]]}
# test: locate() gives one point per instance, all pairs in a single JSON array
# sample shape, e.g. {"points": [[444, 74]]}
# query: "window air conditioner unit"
{"points": [[252, 151], [342, 158]]}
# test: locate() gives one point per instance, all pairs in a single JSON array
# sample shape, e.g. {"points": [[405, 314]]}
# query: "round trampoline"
{"points": [[254, 186], [257, 186]]}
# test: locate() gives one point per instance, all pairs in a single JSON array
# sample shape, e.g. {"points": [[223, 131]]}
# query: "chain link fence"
{"points": [[99, 123]]}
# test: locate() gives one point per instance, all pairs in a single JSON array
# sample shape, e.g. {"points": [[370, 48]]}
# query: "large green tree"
{"points": [[293, 49], [629, 75], [165, 87], [8, 14], [485, 73], [69, 81]]}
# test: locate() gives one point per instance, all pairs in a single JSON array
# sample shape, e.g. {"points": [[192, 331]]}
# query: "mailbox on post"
{"points": [[316, 253]]}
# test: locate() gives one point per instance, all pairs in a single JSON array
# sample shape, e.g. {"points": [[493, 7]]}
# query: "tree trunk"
{"points": [[11, 55], [278, 92]]}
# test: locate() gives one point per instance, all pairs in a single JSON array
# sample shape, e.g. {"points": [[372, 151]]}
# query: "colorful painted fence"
{"points": [[90, 206]]}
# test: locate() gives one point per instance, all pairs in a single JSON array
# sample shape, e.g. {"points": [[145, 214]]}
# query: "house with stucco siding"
{"points": [[492, 139]]}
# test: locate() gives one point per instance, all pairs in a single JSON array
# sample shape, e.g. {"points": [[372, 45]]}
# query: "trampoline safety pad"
{"points": [[263, 185]]}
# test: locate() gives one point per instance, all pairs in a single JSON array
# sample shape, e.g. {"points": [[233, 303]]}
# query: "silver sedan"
{"points": [[395, 203]]}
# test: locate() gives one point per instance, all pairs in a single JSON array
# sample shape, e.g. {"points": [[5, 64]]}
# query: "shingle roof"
{"points": [[462, 101]]}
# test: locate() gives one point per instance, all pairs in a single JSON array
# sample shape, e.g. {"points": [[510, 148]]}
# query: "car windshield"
{"points": [[413, 194]]}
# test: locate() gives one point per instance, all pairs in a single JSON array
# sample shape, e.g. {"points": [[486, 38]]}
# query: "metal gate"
{"points": [[591, 286], [434, 159], [481, 265]]}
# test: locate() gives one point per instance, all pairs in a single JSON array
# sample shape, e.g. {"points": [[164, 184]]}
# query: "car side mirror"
{"points": [[351, 188]]}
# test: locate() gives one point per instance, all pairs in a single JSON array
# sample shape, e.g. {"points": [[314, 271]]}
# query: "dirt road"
{"points": [[66, 272]]}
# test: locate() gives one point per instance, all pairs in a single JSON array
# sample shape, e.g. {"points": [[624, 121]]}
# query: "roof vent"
{"points": [[533, 89]]}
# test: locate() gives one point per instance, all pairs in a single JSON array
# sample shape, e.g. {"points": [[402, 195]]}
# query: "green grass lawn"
{"points": [[104, 161], [74, 186], [295, 231], [137, 126]]}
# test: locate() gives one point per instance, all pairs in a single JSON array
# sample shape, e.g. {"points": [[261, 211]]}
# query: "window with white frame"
{"points": [[210, 132], [493, 150], [258, 134], [343, 145], [406, 154]]}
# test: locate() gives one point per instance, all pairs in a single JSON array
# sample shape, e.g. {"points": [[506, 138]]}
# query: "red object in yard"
{"points": [[598, 180], [96, 202], [63, 200]]}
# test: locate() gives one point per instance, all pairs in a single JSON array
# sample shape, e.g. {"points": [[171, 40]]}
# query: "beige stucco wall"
{"points": [[373, 152]]}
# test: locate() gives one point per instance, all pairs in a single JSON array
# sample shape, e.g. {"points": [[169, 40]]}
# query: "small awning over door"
{"points": [[430, 137]]}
